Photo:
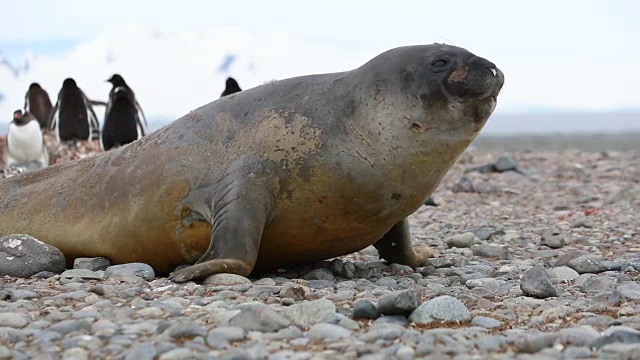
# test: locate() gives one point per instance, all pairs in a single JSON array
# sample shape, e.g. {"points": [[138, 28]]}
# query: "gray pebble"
{"points": [[619, 335], [491, 251], [13, 320], [586, 264], [552, 239], [446, 308], [293, 291], [84, 274], [533, 343], [563, 273], [365, 309], [485, 322], [18, 294], [185, 329], [23, 256], [485, 283], [308, 313], [321, 284], [463, 240], [598, 283], [143, 351], [398, 302], [131, 270], [319, 274], [382, 332], [225, 279], [328, 332], [392, 319], [259, 317], [630, 291], [230, 333], [577, 336], [537, 283]]}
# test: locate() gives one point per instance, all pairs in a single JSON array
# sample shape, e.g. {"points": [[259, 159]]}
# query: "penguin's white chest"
{"points": [[25, 142]]}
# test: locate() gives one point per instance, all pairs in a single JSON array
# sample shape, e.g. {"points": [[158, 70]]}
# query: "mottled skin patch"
{"points": [[292, 171]]}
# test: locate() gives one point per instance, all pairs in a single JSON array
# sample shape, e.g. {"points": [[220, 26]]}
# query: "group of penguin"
{"points": [[73, 119]]}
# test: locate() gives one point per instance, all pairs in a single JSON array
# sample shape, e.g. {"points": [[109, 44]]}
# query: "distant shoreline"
{"points": [[560, 141]]}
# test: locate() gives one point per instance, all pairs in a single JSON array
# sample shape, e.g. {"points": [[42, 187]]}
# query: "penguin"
{"points": [[25, 142], [122, 123], [124, 120], [116, 80], [73, 118], [231, 87], [38, 103]]}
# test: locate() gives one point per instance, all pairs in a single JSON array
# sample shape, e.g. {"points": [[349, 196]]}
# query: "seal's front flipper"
{"points": [[240, 211], [395, 247]]}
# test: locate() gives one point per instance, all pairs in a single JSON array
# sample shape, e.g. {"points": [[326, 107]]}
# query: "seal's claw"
{"points": [[210, 267]]}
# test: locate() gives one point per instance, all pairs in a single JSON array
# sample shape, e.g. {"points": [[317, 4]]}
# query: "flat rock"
{"points": [[586, 264], [308, 313], [23, 256], [445, 308], [225, 279], [258, 317], [85, 274], [141, 270], [463, 240], [398, 302]]}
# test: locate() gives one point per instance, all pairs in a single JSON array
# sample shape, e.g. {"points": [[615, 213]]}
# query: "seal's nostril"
{"points": [[494, 71]]}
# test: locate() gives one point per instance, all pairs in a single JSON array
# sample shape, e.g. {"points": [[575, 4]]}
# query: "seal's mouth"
{"points": [[473, 80]]}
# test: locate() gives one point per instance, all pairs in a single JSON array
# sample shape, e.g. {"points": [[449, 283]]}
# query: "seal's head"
{"points": [[34, 86], [457, 87]]}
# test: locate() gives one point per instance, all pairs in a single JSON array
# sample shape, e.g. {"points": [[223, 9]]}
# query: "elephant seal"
{"points": [[73, 118], [38, 103], [123, 119], [293, 171], [231, 86], [25, 142]]}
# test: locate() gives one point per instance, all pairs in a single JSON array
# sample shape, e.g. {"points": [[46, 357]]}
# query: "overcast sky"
{"points": [[555, 54]]}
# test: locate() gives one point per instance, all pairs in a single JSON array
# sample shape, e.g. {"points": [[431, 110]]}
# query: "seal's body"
{"points": [[73, 118], [25, 143], [123, 119], [293, 171], [38, 103]]}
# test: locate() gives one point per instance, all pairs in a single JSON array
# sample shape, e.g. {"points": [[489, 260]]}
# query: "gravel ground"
{"points": [[538, 263]]}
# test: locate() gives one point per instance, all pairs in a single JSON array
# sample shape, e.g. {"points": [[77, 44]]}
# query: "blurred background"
{"points": [[571, 66]]}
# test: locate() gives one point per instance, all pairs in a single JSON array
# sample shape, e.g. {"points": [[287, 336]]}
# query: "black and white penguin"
{"points": [[38, 103], [231, 87], [73, 117], [124, 120], [25, 143]]}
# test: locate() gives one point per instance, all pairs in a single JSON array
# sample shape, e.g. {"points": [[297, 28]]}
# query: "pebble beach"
{"points": [[538, 258]]}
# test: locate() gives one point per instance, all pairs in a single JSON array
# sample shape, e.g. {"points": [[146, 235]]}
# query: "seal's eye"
{"points": [[440, 64]]}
